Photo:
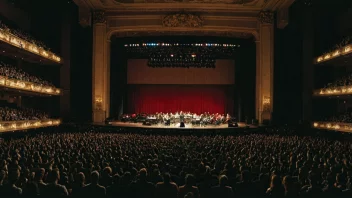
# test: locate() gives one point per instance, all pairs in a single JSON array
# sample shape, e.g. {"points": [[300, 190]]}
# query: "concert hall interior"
{"points": [[176, 98]]}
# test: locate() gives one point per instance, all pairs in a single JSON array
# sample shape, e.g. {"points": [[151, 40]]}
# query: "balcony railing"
{"points": [[13, 40], [337, 53], [28, 86], [6, 126], [334, 126], [342, 90]]}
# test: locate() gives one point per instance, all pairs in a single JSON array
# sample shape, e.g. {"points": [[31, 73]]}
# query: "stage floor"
{"points": [[176, 126]]}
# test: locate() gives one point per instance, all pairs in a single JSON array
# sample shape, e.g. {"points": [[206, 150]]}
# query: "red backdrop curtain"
{"points": [[173, 98]]}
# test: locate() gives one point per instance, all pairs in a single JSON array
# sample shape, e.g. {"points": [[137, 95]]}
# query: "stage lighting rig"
{"points": [[199, 55]]}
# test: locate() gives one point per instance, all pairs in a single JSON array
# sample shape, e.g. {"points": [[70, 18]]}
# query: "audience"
{"points": [[23, 35], [12, 114], [92, 163], [344, 81], [18, 74]]}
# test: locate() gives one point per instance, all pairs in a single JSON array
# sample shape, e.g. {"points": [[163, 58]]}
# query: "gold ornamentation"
{"points": [[99, 17], [266, 17], [98, 103], [182, 20], [266, 104]]}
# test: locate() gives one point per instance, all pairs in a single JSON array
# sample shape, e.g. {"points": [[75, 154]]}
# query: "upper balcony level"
{"points": [[14, 43], [341, 55]]}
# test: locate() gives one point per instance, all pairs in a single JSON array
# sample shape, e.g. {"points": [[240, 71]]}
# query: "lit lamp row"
{"points": [[28, 86], [339, 52], [23, 44], [181, 44], [336, 126], [27, 124], [343, 90]]}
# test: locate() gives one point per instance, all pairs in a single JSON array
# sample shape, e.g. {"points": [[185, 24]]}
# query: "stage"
{"points": [[175, 126]]}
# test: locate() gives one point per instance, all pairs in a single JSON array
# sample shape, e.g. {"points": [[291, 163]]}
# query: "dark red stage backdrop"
{"points": [[173, 98]]}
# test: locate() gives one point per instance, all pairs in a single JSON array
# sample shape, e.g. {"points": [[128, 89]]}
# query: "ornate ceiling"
{"points": [[233, 18], [204, 5]]}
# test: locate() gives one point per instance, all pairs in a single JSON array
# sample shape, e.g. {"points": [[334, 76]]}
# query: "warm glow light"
{"points": [[23, 44], [343, 90], [266, 100], [336, 53], [338, 126], [28, 86], [98, 100], [27, 124], [339, 52]]}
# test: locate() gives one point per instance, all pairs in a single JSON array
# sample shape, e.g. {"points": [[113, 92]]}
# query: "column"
{"points": [[107, 81], [265, 67], [100, 93]]}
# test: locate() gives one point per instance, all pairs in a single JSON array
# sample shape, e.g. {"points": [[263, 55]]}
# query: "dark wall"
{"points": [[287, 70], [118, 78], [245, 81]]}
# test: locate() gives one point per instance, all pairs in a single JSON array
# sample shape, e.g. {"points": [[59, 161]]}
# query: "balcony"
{"points": [[12, 45], [336, 91], [28, 86], [6, 126], [334, 126], [340, 57]]}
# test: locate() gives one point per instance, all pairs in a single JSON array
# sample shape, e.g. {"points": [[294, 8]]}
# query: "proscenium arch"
{"points": [[101, 61]]}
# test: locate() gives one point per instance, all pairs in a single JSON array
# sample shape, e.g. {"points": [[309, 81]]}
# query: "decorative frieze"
{"points": [[99, 17], [266, 17], [182, 20]]}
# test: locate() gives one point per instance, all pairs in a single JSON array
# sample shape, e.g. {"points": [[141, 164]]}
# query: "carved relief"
{"points": [[181, 33], [99, 17], [182, 20], [266, 17], [188, 1], [98, 103]]}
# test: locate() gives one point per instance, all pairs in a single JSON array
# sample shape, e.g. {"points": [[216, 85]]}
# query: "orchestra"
{"points": [[170, 118]]}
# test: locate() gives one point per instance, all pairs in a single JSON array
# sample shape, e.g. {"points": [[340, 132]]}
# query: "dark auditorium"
{"points": [[176, 98]]}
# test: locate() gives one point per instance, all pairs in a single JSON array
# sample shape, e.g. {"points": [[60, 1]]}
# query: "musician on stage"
{"points": [[182, 117], [228, 117]]}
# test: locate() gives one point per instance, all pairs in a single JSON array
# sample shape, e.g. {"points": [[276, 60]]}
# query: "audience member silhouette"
{"points": [[189, 187], [10, 189], [141, 187], [94, 189], [222, 190], [167, 188], [53, 188], [78, 185], [276, 189]]}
